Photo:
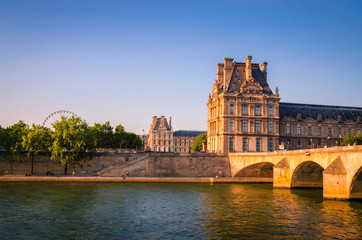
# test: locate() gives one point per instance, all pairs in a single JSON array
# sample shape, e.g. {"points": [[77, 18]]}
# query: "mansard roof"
{"points": [[158, 124], [338, 113], [187, 133], [238, 77]]}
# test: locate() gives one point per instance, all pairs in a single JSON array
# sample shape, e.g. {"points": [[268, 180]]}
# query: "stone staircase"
{"points": [[123, 165]]}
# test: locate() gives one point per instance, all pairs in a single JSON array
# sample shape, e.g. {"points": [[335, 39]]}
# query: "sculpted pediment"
{"points": [[289, 119], [331, 121], [310, 120], [350, 122], [251, 86]]}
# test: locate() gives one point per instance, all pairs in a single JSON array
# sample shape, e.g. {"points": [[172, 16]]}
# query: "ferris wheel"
{"points": [[56, 116]]}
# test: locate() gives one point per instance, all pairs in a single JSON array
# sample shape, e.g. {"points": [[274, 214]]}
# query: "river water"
{"points": [[172, 211]]}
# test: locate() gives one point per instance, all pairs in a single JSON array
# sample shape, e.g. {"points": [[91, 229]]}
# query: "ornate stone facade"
{"points": [[162, 138], [244, 115]]}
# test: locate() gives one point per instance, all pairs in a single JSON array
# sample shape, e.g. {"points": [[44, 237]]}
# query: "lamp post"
{"points": [[143, 137]]}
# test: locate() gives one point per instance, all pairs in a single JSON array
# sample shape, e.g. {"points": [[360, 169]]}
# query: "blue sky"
{"points": [[126, 61]]}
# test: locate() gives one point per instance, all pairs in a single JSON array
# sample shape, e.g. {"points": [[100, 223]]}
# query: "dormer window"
{"points": [[359, 119], [339, 118], [299, 116], [319, 117]]}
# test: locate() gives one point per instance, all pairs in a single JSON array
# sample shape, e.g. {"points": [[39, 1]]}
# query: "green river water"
{"points": [[172, 211]]}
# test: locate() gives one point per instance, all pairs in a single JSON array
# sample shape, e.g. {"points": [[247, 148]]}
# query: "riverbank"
{"points": [[20, 178]]}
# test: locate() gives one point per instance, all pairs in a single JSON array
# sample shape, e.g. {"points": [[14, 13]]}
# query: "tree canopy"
{"points": [[37, 139], [197, 145], [349, 140], [72, 139]]}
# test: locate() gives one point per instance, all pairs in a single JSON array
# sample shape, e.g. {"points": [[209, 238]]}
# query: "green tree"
{"points": [[348, 140], [11, 142], [197, 146], [73, 138], [38, 139], [118, 136], [358, 139], [103, 135]]}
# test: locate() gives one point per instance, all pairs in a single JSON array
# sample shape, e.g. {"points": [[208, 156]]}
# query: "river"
{"points": [[172, 211]]}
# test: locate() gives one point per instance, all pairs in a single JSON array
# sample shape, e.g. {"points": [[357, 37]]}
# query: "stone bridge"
{"points": [[337, 170]]}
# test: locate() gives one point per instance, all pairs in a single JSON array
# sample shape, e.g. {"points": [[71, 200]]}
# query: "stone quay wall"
{"points": [[117, 164]]}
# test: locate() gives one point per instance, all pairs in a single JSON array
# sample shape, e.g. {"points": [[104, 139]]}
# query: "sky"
{"points": [[126, 61]]}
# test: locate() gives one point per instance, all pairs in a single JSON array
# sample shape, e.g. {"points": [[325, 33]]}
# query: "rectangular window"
{"points": [[271, 127], [329, 130], [231, 108], [258, 144], [339, 131], [319, 130], [270, 145], [270, 111], [288, 128], [245, 125], [244, 144], [298, 129], [245, 110], [231, 144], [231, 125], [154, 141], [358, 130], [257, 126], [159, 142], [257, 110], [169, 142], [309, 130], [349, 131]]}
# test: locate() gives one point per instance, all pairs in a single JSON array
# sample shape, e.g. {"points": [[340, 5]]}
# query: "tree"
{"points": [[38, 139], [103, 134], [197, 146], [12, 138], [358, 139], [118, 136], [72, 140], [348, 140]]}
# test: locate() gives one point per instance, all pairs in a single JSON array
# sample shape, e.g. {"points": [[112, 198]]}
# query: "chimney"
{"points": [[228, 67], [154, 120], [248, 67], [170, 123], [263, 69], [162, 120], [220, 72]]}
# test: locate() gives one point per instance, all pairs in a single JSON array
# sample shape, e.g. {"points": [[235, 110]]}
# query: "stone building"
{"points": [[245, 115], [162, 138]]}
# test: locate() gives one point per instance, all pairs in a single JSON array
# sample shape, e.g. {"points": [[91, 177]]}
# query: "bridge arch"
{"points": [[262, 170], [308, 174], [356, 185]]}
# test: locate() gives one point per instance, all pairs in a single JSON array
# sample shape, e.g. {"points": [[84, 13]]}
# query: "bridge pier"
{"points": [[282, 175], [335, 184]]}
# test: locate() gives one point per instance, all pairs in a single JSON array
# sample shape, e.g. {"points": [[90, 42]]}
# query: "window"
{"points": [[231, 108], [270, 111], [339, 131], [231, 144], [154, 141], [298, 142], [271, 126], [319, 130], [159, 142], [257, 126], [270, 145], [169, 142], [258, 144], [298, 129], [245, 125], [309, 130], [358, 130], [349, 131], [257, 110], [231, 125], [164, 142], [245, 109], [288, 128], [244, 144], [329, 130]]}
